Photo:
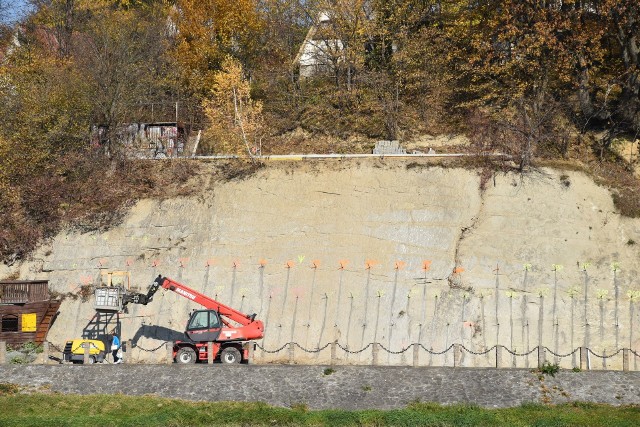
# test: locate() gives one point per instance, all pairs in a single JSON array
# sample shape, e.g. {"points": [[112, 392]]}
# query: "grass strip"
{"points": [[39, 409]]}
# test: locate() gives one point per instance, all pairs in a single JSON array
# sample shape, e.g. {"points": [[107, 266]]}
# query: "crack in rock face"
{"points": [[254, 243]]}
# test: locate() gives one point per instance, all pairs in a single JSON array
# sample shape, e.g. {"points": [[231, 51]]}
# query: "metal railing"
{"points": [[22, 292]]}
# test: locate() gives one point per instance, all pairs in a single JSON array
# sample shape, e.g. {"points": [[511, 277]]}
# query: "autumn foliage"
{"points": [[535, 80], [235, 120]]}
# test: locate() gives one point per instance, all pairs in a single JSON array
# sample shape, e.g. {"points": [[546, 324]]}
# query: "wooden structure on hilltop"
{"points": [[26, 311]]}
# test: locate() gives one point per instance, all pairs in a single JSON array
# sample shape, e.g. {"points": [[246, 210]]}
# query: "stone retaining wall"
{"points": [[341, 387]]}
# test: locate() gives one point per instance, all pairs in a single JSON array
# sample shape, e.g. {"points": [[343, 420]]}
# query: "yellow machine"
{"points": [[74, 351]]}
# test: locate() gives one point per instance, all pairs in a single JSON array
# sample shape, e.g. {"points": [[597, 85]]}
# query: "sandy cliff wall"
{"points": [[362, 252]]}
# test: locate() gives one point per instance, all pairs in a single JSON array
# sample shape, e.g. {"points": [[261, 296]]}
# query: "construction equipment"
{"points": [[74, 351], [229, 344], [114, 285]]}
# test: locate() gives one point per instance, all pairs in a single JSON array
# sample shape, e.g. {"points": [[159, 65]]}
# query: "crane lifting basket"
{"points": [[109, 296]]}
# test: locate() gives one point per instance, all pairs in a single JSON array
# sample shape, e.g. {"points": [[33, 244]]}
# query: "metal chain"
{"points": [[513, 353], [395, 352], [307, 350], [562, 355], [154, 349], [271, 351], [355, 351], [346, 349], [437, 352], [478, 353], [56, 348], [604, 356]]}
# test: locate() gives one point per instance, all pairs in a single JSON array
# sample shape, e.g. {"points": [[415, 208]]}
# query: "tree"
{"points": [[235, 120], [285, 24], [45, 103], [207, 31], [625, 28], [413, 47], [123, 54]]}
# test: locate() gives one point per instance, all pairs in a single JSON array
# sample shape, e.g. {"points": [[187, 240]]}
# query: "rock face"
{"points": [[373, 252]]}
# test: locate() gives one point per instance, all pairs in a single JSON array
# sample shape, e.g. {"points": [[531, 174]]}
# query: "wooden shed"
{"points": [[26, 311]]}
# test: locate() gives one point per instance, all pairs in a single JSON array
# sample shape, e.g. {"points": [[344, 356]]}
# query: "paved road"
{"points": [[347, 387]]}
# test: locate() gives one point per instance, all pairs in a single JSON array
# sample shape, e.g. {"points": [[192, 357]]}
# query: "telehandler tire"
{"points": [[230, 355], [186, 355]]}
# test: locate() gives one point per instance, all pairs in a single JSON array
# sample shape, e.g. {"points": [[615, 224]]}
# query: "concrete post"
{"points": [[87, 349], [583, 359], [169, 355], [210, 353], [3, 352], [334, 346], [457, 352], [292, 348], [416, 354], [45, 352], [127, 351], [625, 359], [542, 356], [499, 356], [374, 353], [250, 351]]}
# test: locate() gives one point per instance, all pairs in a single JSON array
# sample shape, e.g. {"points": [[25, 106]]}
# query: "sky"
{"points": [[12, 10]]}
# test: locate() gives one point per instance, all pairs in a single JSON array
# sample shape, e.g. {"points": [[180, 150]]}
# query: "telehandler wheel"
{"points": [[230, 355], [186, 355]]}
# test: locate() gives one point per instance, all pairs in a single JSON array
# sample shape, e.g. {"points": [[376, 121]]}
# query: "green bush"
{"points": [[31, 347], [18, 360], [549, 368], [329, 371]]}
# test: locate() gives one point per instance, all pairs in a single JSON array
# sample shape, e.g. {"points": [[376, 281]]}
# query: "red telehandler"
{"points": [[231, 344]]}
